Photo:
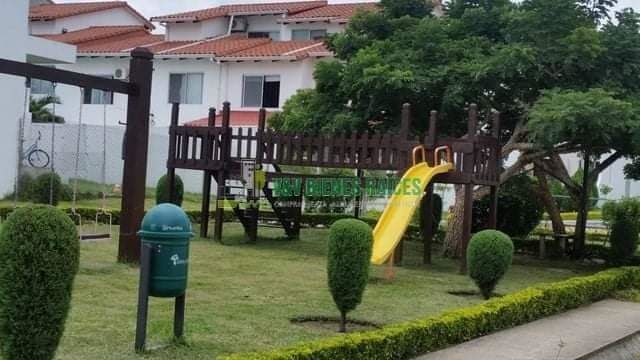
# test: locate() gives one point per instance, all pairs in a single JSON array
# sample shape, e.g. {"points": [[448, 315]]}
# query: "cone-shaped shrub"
{"points": [[489, 257], [350, 243], [624, 240], [162, 191], [43, 186], [39, 250]]}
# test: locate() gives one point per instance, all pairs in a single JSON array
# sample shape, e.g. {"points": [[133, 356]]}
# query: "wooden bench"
{"points": [[562, 241]]}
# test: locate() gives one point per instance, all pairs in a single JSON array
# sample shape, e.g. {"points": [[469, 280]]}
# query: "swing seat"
{"points": [[88, 237]]}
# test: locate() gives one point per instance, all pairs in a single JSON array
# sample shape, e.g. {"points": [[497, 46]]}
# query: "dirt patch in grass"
{"points": [[326, 323]]}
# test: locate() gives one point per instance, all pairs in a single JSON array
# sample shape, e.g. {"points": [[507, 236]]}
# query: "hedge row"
{"points": [[311, 219], [408, 340]]}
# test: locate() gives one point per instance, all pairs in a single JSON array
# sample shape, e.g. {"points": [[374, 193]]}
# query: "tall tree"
{"points": [[500, 54], [592, 122]]}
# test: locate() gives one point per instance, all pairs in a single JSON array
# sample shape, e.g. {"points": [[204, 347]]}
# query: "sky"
{"points": [[151, 8]]}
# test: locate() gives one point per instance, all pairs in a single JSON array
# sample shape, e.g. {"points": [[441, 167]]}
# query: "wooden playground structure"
{"points": [[219, 151]]}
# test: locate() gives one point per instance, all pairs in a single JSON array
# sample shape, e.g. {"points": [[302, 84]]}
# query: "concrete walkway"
{"points": [[572, 335]]}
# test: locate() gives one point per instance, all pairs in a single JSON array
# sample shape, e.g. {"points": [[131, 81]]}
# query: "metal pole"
{"points": [[143, 297], [178, 317]]}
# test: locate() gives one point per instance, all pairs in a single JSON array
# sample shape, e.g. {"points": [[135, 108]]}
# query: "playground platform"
{"points": [[589, 332]]}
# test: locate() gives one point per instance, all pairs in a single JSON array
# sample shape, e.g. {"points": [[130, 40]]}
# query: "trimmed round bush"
{"points": [[39, 249], [42, 187], [519, 207], [489, 257], [349, 257], [162, 191]]}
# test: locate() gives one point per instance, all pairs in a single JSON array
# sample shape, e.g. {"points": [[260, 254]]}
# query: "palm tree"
{"points": [[40, 112]]}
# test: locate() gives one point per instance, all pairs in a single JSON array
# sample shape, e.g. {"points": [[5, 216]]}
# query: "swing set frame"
{"points": [[138, 91]]}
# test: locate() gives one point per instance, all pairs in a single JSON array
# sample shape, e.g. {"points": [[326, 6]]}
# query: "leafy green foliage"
{"points": [[489, 257], [624, 219], [400, 8], [564, 199], [624, 240], [25, 186], [411, 339], [592, 120], [43, 186], [349, 258], [40, 110], [163, 194], [519, 207], [39, 248]]}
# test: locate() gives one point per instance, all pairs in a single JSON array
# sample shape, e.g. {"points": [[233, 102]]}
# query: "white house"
{"points": [[253, 55], [17, 45]]}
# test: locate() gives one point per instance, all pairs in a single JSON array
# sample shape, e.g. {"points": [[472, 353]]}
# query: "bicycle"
{"points": [[35, 156]]}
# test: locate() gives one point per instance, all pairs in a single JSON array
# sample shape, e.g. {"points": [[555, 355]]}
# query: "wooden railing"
{"points": [[213, 148]]}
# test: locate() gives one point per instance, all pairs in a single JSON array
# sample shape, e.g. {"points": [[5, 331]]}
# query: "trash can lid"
{"points": [[166, 221]]}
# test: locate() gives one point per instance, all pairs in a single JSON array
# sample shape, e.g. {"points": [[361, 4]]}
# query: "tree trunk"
{"points": [[453, 239], [583, 210], [343, 322], [550, 204]]}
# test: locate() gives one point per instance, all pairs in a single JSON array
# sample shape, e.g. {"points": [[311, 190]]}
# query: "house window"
{"points": [[308, 34], [261, 91], [42, 87], [98, 97], [186, 88], [273, 35]]}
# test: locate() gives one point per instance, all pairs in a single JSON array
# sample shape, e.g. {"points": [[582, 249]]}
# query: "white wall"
{"points": [[293, 76], [197, 31], [17, 45], [111, 17], [331, 28], [13, 31], [222, 82]]}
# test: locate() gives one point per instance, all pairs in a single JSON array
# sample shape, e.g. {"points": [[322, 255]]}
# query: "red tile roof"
{"points": [[291, 49], [111, 40], [333, 12], [237, 118], [94, 33], [47, 12], [242, 9], [107, 39], [218, 47]]}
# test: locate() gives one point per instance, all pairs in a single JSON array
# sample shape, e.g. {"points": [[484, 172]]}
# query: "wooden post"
{"points": [[225, 154], [135, 163], [467, 168], [404, 134], [358, 199], [171, 171], [253, 196], [493, 207], [432, 136], [581, 222], [427, 202], [206, 183], [426, 223]]}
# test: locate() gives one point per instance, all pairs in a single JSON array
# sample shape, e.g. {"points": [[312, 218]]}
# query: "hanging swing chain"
{"points": [[104, 153], [77, 159], [23, 120]]}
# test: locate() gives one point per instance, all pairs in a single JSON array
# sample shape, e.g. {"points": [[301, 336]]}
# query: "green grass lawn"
{"points": [[241, 297]]}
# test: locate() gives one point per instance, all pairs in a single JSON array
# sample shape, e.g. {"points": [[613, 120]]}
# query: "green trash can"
{"points": [[167, 229]]}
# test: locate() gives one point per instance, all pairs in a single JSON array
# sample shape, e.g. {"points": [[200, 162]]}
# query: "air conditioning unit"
{"points": [[121, 74]]}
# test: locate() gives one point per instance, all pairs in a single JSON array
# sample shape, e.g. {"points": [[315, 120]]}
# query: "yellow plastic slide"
{"points": [[399, 211]]}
